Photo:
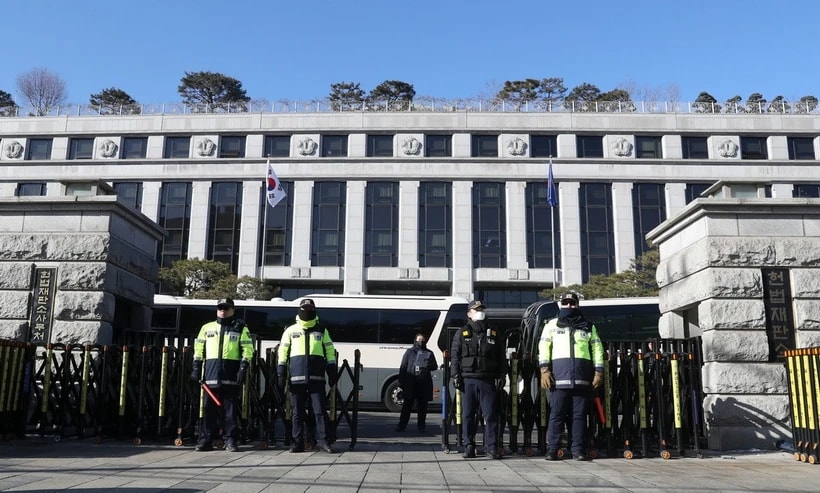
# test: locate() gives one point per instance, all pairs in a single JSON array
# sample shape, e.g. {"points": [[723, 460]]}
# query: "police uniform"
{"points": [[416, 382], [226, 348], [479, 360], [570, 347], [306, 352]]}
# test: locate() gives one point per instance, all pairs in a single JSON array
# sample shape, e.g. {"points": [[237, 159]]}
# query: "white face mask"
{"points": [[478, 316]]}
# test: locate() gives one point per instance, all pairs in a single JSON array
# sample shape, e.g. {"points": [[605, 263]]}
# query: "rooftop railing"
{"points": [[420, 105]]}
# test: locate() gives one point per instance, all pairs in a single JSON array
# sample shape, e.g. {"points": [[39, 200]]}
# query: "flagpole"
{"points": [[264, 224], [552, 199]]}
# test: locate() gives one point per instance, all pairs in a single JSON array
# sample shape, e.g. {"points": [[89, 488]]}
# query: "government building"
{"points": [[438, 201]]}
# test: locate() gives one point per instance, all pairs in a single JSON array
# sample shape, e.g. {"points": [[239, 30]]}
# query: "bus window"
{"points": [[268, 323], [456, 319], [164, 318]]}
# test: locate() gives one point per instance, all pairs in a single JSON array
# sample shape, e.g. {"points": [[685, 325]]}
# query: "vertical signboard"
{"points": [[777, 300], [45, 287]]}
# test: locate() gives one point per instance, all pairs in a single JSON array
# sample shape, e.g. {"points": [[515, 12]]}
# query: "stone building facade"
{"points": [[743, 272], [75, 268]]}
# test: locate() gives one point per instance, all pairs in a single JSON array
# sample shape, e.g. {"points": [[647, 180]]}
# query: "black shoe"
{"points": [[297, 447], [469, 452], [582, 457], [204, 447], [326, 448], [497, 455], [551, 455], [230, 446]]}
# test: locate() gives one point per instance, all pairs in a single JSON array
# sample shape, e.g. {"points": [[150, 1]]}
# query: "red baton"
{"points": [[600, 410], [211, 394]]}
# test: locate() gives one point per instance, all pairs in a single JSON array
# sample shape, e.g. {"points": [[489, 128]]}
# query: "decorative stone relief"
{"points": [[13, 150], [307, 146], [622, 147], [517, 146], [411, 146], [108, 148], [300, 272], [409, 273], [206, 147], [727, 148]]}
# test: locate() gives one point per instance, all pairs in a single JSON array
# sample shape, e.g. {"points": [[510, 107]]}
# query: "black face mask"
{"points": [[307, 315], [224, 320], [420, 344]]}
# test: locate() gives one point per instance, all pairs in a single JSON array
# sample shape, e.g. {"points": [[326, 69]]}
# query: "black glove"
{"points": [[280, 380], [458, 382], [332, 373], [196, 372], [240, 374], [499, 383]]}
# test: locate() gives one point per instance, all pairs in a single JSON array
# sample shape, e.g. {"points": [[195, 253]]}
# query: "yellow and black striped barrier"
{"points": [[803, 367]]}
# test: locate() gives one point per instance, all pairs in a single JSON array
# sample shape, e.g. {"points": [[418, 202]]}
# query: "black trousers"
{"points": [[414, 398], [479, 393], [299, 397], [226, 417], [560, 402]]}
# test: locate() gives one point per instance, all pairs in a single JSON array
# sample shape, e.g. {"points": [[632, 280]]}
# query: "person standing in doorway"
{"points": [[416, 381]]}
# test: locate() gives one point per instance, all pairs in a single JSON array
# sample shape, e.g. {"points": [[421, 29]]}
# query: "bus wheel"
{"points": [[393, 396]]}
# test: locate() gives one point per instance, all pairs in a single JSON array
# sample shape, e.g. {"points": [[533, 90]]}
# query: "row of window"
{"points": [[540, 146]]}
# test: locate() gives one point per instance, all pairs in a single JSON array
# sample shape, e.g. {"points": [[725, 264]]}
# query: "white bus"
{"points": [[380, 327]]}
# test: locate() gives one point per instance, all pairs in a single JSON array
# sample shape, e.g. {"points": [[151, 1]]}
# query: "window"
{"points": [[277, 146], [177, 147], [693, 190], [334, 145], [435, 224], [129, 193], [379, 146], [224, 225], [232, 146], [277, 235], [806, 190], [484, 146], [328, 224], [134, 147], [381, 238], [543, 230], [30, 190], [543, 146], [39, 149], [438, 145], [753, 148], [81, 149], [648, 147], [489, 225], [175, 217], [589, 145], [509, 298], [801, 148], [694, 148], [597, 235], [648, 211]]}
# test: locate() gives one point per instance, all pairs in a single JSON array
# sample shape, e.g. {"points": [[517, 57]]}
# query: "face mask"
{"points": [[478, 316], [306, 315], [420, 344]]}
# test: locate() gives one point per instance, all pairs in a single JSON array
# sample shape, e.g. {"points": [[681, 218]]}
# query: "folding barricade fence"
{"points": [[803, 369], [649, 405], [140, 392]]}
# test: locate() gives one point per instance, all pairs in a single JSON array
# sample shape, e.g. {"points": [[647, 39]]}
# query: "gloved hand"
{"points": [[196, 372], [458, 382], [547, 380], [499, 383], [240, 374], [598, 379], [280, 380], [332, 373]]}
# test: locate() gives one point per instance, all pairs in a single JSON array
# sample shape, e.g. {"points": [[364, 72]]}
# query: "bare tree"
{"points": [[43, 89]]}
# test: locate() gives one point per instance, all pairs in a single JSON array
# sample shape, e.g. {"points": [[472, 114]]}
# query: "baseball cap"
{"points": [[475, 305], [570, 297], [225, 303], [307, 304]]}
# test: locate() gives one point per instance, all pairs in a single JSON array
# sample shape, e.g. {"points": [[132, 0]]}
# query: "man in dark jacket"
{"points": [[571, 359], [416, 382], [226, 348], [478, 366]]}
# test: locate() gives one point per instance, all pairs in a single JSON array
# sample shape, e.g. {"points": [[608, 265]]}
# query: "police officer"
{"points": [[571, 360], [416, 382], [226, 348], [307, 353], [478, 366]]}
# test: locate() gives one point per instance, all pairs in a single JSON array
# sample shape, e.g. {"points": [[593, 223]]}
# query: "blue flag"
{"points": [[552, 196]]}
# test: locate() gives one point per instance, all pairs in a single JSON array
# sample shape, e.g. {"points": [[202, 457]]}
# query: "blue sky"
{"points": [[294, 50]]}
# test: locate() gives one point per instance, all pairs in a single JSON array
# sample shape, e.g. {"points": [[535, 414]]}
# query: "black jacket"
{"points": [[478, 352], [415, 375]]}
